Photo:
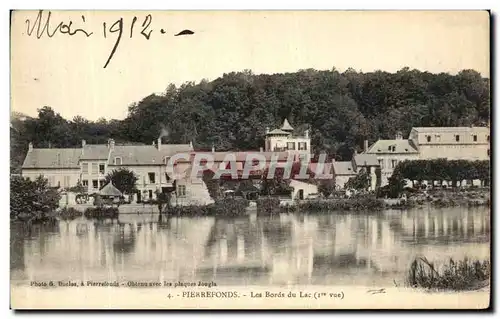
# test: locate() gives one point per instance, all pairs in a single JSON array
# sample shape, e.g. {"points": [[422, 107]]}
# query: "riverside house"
{"points": [[90, 164], [427, 143]]}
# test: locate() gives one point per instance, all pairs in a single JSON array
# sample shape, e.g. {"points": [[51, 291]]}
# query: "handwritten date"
{"points": [[137, 26]]}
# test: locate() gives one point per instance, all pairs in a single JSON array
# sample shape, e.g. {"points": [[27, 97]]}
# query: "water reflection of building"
{"points": [[286, 249], [293, 249], [117, 250]]}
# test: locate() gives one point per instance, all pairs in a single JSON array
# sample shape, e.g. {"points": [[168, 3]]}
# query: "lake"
{"points": [[333, 249]]}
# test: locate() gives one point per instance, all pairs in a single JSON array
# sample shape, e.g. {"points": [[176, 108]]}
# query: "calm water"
{"points": [[312, 249]]}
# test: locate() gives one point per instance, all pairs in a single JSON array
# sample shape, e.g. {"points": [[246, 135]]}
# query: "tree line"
{"points": [[232, 112], [441, 170]]}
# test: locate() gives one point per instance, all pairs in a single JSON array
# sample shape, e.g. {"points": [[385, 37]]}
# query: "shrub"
{"points": [[101, 212], [461, 275], [268, 206], [68, 213]]}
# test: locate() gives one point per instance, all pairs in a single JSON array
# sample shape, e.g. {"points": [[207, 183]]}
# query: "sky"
{"points": [[67, 72]]}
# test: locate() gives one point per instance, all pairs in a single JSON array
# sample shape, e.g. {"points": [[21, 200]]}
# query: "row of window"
{"points": [[457, 138], [393, 163], [96, 184], [301, 146], [52, 181], [95, 168]]}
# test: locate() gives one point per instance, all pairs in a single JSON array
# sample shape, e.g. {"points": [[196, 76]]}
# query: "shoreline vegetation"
{"points": [[461, 275]]}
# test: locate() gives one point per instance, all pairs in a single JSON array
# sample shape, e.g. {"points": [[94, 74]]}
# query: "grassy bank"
{"points": [[455, 275]]}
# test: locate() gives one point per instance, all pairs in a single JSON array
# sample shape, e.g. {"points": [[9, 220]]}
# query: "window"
{"points": [[101, 168], [118, 160], [150, 194], [85, 168], [181, 190], [438, 138], [457, 138], [102, 182], [488, 152], [151, 178], [95, 168], [487, 138], [381, 163], [474, 138], [167, 178], [302, 146], [428, 138], [66, 182], [290, 146], [394, 163], [95, 184], [85, 183]]}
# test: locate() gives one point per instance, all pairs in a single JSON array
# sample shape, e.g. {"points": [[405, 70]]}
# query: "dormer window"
{"points": [[165, 160], [474, 138], [457, 138], [428, 138], [118, 160]]}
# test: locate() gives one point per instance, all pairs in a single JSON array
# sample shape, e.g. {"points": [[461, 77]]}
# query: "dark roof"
{"points": [[52, 158], [95, 152], [343, 168], [396, 146], [136, 155], [110, 190], [366, 160]]}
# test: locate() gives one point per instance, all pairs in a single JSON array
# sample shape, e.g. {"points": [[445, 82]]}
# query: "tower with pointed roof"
{"points": [[283, 139]]}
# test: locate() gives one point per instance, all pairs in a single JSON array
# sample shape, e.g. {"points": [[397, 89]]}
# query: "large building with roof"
{"points": [[90, 164], [426, 143]]}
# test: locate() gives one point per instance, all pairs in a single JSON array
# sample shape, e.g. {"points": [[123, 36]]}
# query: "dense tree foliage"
{"points": [[441, 170], [359, 182], [233, 111], [123, 179], [32, 200]]}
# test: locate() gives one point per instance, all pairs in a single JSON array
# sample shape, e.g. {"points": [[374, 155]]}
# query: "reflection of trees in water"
{"points": [[17, 235], [441, 227], [124, 239]]}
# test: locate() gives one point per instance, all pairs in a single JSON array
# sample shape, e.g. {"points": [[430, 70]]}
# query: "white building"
{"points": [[90, 164], [426, 143], [284, 140]]}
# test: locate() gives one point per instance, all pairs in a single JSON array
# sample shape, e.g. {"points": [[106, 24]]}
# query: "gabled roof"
{"points": [[171, 149], [343, 168], [460, 129], [366, 160], [286, 126], [277, 131], [110, 190], [52, 158], [95, 152], [136, 155], [392, 147]]}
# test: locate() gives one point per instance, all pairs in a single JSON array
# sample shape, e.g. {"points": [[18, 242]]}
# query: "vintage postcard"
{"points": [[250, 160]]}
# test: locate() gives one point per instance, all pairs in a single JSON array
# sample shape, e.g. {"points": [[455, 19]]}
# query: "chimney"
{"points": [[111, 143], [366, 145], [30, 146], [267, 130], [213, 148], [306, 133], [261, 150], [50, 145], [159, 143], [399, 136], [84, 143]]}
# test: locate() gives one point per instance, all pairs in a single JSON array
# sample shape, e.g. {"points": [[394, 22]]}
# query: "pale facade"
{"points": [[458, 143], [284, 140], [426, 143], [90, 164]]}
